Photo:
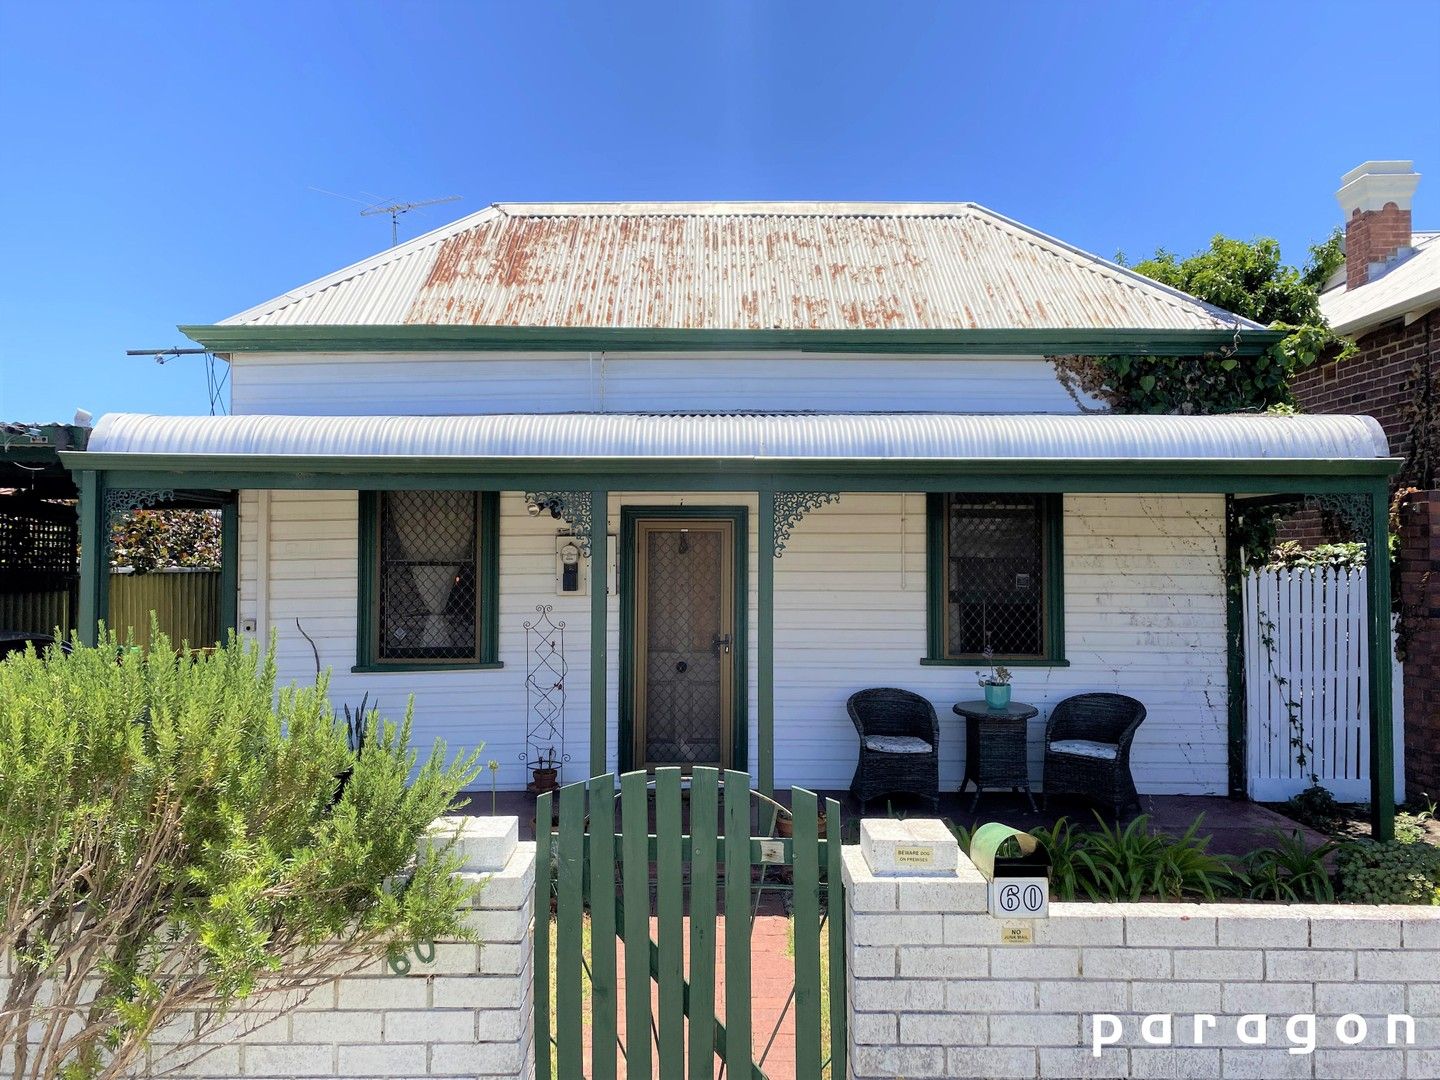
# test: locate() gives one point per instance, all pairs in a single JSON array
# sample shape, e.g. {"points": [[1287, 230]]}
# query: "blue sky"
{"points": [[158, 160]]}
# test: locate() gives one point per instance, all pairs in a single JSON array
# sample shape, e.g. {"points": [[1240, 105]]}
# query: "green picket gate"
{"points": [[587, 867]]}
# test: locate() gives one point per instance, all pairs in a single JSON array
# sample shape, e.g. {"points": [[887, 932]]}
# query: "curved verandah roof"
{"points": [[761, 437]]}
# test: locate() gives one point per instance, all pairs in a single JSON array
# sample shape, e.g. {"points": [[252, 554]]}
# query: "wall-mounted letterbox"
{"points": [[1018, 869]]}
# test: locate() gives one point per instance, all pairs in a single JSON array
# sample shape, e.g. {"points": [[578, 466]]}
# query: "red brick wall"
{"points": [[1373, 236], [1420, 592], [1393, 378]]}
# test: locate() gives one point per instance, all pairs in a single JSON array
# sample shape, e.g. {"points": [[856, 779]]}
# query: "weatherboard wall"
{"points": [[1144, 599], [455, 383]]}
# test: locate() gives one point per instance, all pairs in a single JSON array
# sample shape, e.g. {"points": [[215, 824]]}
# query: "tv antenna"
{"points": [[395, 209]]}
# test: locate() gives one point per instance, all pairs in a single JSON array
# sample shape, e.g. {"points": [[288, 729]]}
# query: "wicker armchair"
{"points": [[899, 745], [1087, 748]]}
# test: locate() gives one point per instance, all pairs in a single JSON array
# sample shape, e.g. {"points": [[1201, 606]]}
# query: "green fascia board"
{"points": [[1018, 342], [235, 471]]}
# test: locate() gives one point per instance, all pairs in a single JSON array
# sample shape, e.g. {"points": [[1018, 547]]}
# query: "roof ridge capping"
{"points": [[741, 208]]}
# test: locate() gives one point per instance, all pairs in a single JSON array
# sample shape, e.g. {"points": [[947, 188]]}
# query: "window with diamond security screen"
{"points": [[998, 570], [432, 572]]}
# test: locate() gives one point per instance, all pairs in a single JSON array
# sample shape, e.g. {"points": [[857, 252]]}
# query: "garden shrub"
{"points": [[174, 840], [1132, 864], [1393, 873], [1412, 825], [1291, 871], [1316, 806]]}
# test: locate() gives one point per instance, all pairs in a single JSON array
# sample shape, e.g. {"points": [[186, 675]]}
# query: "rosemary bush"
{"points": [[172, 843]]}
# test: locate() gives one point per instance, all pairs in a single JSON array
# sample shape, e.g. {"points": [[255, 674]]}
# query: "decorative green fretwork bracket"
{"points": [[572, 507], [1350, 507], [791, 506], [121, 501]]}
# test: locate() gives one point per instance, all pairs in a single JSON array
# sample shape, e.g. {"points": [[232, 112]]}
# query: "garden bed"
{"points": [[1099, 862]]}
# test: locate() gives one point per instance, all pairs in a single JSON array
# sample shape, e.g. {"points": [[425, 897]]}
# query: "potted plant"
{"points": [[546, 772], [785, 825], [996, 684]]}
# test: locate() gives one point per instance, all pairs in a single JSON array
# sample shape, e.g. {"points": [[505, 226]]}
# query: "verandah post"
{"points": [[1382, 726], [94, 557], [599, 633], [765, 644], [229, 566]]}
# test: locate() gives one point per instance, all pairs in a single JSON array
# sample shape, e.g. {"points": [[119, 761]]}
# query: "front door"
{"points": [[682, 637]]}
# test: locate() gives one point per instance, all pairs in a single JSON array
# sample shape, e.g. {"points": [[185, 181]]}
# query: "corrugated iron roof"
{"points": [[783, 436], [1410, 286], [740, 266]]}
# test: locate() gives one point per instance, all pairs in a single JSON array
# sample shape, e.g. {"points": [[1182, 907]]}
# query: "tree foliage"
{"points": [[149, 540], [175, 838], [1249, 279]]}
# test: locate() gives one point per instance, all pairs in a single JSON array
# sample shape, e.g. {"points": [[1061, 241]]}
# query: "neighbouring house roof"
{"points": [[1407, 289], [30, 458], [739, 266], [768, 436]]}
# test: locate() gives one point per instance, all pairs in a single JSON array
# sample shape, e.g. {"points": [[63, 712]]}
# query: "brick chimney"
{"points": [[1375, 198]]}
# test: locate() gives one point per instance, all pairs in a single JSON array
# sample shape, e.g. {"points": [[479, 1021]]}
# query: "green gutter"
{"points": [[1014, 342]]}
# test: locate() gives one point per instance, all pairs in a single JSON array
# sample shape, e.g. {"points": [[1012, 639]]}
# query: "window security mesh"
{"points": [[429, 557], [995, 585]]}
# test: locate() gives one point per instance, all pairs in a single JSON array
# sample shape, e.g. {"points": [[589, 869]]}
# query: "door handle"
{"points": [[721, 644]]}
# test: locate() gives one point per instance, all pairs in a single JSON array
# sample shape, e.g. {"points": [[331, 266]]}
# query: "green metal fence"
{"points": [[38, 612], [186, 604], [651, 865]]}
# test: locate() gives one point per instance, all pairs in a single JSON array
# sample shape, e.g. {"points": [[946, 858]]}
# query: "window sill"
{"points": [[384, 669], [981, 662]]}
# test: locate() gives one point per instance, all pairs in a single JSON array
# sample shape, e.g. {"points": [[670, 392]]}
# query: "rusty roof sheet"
{"points": [[740, 266]]}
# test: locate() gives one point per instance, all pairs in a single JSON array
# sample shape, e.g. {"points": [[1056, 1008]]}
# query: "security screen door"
{"points": [[684, 641]]}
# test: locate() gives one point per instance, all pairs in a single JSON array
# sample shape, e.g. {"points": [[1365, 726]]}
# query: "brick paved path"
{"points": [[772, 977]]}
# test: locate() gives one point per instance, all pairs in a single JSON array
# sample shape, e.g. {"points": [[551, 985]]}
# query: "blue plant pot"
{"points": [[997, 697]]}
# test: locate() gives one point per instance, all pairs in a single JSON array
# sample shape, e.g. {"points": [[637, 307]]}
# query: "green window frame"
{"points": [[1052, 586], [487, 587]]}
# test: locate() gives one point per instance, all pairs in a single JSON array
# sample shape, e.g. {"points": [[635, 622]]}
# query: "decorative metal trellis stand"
{"points": [[545, 670]]}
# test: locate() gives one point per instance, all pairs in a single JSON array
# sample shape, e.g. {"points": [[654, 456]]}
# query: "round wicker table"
{"points": [[996, 742]]}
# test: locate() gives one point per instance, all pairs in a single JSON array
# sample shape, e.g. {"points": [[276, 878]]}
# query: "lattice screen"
{"points": [[37, 546]]}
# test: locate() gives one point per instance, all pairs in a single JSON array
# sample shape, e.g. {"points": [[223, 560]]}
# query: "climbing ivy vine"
{"points": [[1248, 278]]}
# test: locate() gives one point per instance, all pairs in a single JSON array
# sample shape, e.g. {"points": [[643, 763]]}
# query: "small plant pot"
{"points": [[785, 826], [544, 780], [997, 695]]}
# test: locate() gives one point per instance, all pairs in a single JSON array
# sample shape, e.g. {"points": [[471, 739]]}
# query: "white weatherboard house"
{"points": [[789, 450]]}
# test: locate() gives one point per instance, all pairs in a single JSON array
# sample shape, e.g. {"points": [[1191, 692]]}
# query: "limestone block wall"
{"points": [[465, 1013], [1222, 990]]}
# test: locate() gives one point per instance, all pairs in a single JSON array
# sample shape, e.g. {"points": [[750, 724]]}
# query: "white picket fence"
{"points": [[1307, 684]]}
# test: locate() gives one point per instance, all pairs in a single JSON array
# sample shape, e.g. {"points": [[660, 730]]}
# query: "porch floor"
{"points": [[1237, 826]]}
